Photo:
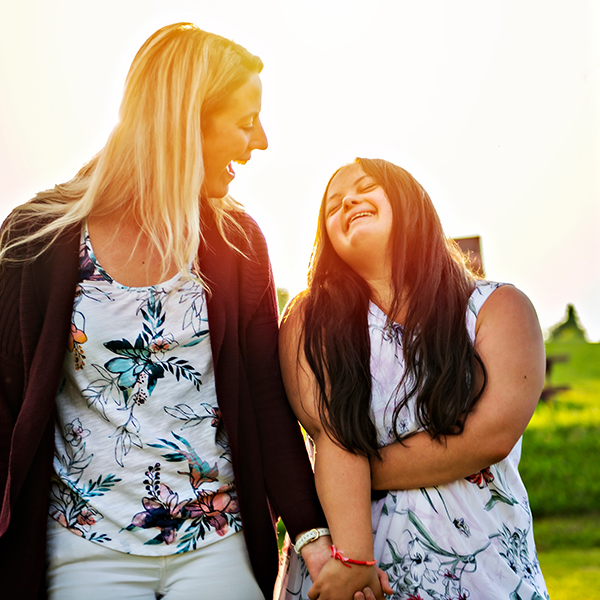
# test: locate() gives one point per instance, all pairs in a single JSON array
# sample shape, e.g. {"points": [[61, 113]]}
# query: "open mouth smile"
{"points": [[229, 167], [360, 215]]}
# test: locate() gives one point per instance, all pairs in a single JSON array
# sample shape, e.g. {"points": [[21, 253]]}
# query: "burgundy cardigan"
{"points": [[272, 472]]}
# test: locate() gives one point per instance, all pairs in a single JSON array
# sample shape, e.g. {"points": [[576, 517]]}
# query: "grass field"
{"points": [[561, 469], [572, 574], [560, 462], [580, 405]]}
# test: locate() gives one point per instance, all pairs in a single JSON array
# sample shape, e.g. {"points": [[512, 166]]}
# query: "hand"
{"points": [[316, 554], [336, 581], [367, 593]]}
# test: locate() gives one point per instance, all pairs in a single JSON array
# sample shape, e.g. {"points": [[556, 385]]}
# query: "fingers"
{"points": [[384, 580], [359, 596], [367, 594]]}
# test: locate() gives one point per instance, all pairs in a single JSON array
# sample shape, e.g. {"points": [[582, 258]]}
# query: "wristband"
{"points": [[310, 536], [335, 553]]}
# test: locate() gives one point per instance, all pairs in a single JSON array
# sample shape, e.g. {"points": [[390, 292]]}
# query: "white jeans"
{"points": [[82, 570]]}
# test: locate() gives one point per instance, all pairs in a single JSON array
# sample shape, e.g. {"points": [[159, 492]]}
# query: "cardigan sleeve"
{"points": [[288, 476], [11, 387], [11, 368]]}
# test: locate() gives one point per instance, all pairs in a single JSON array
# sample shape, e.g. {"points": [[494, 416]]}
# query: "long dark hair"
{"points": [[441, 362]]}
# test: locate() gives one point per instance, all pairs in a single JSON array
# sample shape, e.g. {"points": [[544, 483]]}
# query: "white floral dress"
{"points": [[471, 538]]}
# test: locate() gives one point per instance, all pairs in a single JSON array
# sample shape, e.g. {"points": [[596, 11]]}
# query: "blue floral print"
{"points": [[135, 372], [207, 510]]}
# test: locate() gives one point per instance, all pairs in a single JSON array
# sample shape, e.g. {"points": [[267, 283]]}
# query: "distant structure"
{"points": [[570, 330], [471, 246]]}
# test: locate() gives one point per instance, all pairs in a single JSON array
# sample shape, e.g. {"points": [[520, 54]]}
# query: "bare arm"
{"points": [[342, 479], [509, 341]]}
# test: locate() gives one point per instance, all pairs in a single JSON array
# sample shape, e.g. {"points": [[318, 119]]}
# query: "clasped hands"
{"points": [[333, 580]]}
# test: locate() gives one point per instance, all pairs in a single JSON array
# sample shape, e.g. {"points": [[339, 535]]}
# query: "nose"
{"points": [[259, 139], [349, 201]]}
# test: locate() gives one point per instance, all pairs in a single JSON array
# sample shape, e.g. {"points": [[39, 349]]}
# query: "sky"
{"points": [[493, 106]]}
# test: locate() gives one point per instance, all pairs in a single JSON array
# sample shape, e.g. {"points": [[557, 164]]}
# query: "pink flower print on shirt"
{"points": [[162, 509], [217, 510], [214, 507], [75, 432], [75, 341], [162, 343]]}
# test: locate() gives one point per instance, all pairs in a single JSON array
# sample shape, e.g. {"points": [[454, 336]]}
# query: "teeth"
{"points": [[240, 162], [362, 214]]}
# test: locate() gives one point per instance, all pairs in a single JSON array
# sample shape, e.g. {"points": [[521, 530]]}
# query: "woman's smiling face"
{"points": [[230, 135], [358, 220]]}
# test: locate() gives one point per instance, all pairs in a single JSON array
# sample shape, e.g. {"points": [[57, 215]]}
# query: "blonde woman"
{"points": [[146, 443]]}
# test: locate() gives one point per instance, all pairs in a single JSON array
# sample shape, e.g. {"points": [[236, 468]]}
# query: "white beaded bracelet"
{"points": [[310, 536]]}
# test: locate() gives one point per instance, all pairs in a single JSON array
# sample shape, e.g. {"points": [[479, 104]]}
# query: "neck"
{"points": [[382, 294], [127, 254]]}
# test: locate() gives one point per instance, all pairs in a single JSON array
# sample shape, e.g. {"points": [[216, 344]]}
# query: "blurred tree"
{"points": [[570, 330]]}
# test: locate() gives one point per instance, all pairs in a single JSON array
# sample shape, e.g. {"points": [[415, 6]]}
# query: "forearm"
{"points": [[343, 485], [423, 462], [342, 480], [510, 345]]}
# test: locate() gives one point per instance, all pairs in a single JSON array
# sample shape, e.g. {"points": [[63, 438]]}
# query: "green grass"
{"points": [[560, 462], [567, 532], [581, 404], [572, 574], [569, 552], [579, 367], [560, 466]]}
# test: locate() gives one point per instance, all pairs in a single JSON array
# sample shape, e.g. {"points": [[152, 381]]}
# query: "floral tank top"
{"points": [[469, 539], [142, 463]]}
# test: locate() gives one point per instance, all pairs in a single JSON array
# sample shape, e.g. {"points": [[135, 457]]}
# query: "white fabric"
{"points": [[141, 463], [78, 570]]}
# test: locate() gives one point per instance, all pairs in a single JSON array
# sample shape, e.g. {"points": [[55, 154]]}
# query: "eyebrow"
{"points": [[337, 194], [251, 115]]}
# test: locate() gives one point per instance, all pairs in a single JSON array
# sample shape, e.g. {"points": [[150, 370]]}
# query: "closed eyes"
{"points": [[249, 125], [365, 188], [369, 187], [333, 209]]}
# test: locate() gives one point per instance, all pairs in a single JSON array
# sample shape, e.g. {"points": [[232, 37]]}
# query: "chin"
{"points": [[216, 191]]}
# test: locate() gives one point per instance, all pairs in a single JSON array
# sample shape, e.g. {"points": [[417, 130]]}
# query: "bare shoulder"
{"points": [[508, 336], [506, 307]]}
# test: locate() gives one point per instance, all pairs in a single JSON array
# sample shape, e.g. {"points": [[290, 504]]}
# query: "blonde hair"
{"points": [[151, 168]]}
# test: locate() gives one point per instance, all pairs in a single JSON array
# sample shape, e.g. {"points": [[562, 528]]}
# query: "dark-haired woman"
{"points": [[412, 377]]}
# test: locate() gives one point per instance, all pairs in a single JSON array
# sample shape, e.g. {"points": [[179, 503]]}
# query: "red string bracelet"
{"points": [[337, 554]]}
